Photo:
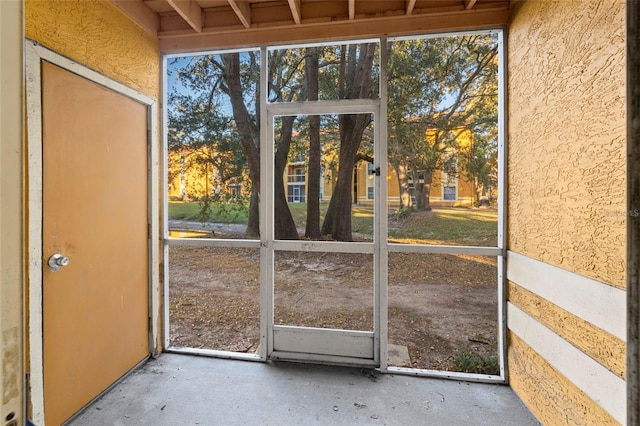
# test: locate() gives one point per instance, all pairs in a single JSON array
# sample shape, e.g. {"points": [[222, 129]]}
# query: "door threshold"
{"points": [[213, 353]]}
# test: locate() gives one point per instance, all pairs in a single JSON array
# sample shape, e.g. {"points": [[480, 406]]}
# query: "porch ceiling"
{"points": [[187, 25]]}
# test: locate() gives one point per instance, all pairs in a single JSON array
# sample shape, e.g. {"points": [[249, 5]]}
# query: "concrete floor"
{"points": [[181, 389]]}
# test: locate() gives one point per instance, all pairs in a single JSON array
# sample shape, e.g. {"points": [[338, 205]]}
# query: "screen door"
{"points": [[319, 256]]}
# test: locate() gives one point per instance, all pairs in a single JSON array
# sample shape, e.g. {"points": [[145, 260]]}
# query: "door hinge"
{"points": [[375, 171], [148, 231]]}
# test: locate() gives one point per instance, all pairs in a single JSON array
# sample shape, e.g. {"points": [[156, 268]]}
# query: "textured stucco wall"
{"points": [[566, 196], [96, 34], [12, 390], [552, 398], [566, 135], [599, 345]]}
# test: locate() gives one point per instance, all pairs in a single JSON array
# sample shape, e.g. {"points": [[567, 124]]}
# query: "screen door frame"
{"points": [[345, 347]]}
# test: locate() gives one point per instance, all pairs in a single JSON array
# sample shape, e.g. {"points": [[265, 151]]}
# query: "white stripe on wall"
{"points": [[605, 388], [597, 303]]}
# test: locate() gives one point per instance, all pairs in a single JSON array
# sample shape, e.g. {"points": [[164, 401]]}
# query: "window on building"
{"points": [[296, 189], [370, 181]]}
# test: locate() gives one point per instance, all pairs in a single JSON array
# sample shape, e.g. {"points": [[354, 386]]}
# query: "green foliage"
{"points": [[234, 210], [211, 210], [205, 208], [469, 362], [401, 213], [201, 127], [440, 91]]}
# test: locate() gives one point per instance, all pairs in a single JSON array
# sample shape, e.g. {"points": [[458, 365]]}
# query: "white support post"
{"points": [[266, 212], [381, 239], [502, 205]]}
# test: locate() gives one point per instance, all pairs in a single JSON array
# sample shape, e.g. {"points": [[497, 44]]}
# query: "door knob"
{"points": [[57, 261]]}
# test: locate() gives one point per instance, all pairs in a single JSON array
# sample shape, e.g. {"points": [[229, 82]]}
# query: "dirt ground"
{"points": [[443, 308]]}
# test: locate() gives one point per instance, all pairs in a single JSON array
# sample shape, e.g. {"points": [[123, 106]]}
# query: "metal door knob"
{"points": [[57, 261]]}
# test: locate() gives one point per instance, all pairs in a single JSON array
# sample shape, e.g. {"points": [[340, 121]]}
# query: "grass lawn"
{"points": [[445, 225], [219, 213]]}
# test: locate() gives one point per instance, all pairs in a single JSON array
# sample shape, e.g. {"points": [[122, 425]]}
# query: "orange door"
{"points": [[96, 308]]}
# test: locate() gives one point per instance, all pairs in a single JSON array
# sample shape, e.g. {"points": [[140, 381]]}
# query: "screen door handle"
{"points": [[57, 261]]}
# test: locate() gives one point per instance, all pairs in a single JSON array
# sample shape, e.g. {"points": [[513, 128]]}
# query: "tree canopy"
{"points": [[442, 108], [442, 115]]}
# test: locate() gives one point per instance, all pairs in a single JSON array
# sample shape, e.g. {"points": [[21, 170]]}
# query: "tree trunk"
{"points": [[253, 222], [423, 190], [337, 221], [312, 229], [285, 227], [249, 135], [355, 83], [403, 186]]}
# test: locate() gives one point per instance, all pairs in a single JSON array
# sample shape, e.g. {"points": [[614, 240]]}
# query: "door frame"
{"points": [[35, 54], [354, 344]]}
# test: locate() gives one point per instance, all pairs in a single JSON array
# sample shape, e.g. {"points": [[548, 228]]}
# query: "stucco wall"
{"points": [[11, 236], [96, 34], [567, 209], [567, 131]]}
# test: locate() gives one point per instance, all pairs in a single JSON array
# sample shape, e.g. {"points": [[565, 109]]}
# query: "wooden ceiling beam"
{"points": [[352, 9], [140, 14], [242, 10], [484, 18], [410, 5], [294, 5], [468, 4], [190, 12]]}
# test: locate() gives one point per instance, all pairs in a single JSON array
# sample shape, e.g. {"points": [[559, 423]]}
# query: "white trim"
{"points": [[597, 382], [442, 35], [212, 242], [443, 374], [153, 218], [323, 107], [34, 226], [502, 204], [166, 338], [502, 319], [209, 52], [322, 359], [444, 249], [332, 43], [380, 196], [43, 53], [35, 54], [323, 246], [502, 141], [597, 303], [213, 353], [324, 341], [266, 213]]}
